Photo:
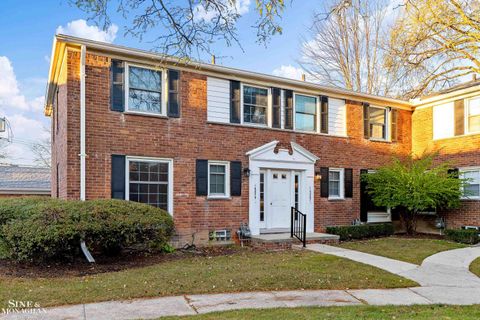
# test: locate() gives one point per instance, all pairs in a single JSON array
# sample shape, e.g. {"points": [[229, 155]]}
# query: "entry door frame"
{"points": [[266, 158], [268, 222]]}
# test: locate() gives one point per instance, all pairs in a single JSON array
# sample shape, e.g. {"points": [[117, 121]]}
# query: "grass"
{"points": [[244, 271], [347, 313], [404, 249], [475, 267]]}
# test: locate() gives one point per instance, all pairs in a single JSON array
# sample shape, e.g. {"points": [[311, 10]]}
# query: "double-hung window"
{"points": [[335, 183], [150, 182], [218, 179], [305, 113], [255, 105], [144, 91], [473, 115], [378, 121], [471, 189]]}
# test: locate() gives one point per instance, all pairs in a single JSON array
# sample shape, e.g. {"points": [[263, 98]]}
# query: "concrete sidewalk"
{"points": [[198, 304]]}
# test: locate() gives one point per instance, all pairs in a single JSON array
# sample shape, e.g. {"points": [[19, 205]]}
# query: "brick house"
{"points": [[218, 146]]}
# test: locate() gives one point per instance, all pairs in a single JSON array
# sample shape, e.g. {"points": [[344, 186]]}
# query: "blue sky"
{"points": [[26, 33]]}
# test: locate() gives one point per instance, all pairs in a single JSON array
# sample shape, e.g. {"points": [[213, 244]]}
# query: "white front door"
{"points": [[279, 195]]}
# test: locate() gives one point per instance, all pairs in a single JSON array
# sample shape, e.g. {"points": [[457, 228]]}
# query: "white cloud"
{"points": [[80, 28], [289, 72], [203, 13], [11, 96]]}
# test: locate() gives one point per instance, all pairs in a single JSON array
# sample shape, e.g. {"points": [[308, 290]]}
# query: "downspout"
{"points": [[83, 155]]}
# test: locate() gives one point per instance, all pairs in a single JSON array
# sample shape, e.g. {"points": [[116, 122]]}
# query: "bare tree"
{"points": [[346, 48], [436, 42], [189, 27], [42, 150]]}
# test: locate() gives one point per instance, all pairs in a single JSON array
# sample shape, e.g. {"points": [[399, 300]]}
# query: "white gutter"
{"points": [[83, 53]]}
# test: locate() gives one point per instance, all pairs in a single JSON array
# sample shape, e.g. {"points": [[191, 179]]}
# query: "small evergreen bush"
{"points": [[362, 231], [467, 236]]}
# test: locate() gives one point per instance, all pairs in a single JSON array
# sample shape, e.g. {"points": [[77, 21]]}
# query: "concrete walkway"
{"points": [[444, 277], [444, 269]]}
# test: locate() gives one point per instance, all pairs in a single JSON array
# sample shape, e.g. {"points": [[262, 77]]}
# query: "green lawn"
{"points": [[475, 266], [244, 271], [347, 313], [404, 249]]}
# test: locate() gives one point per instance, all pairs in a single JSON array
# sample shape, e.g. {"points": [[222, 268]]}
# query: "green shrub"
{"points": [[468, 236], [43, 229], [362, 231]]}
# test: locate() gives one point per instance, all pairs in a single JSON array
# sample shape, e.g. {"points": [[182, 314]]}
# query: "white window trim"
{"points": [[317, 112], [268, 124], [462, 171], [164, 92], [149, 159], [227, 180], [467, 115], [388, 135], [341, 184]]}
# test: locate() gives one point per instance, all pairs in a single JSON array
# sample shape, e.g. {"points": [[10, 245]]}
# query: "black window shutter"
{"points": [[235, 178], [459, 115], [276, 103], [455, 172], [173, 93], [364, 197], [118, 176], [394, 125], [366, 121], [288, 109], [117, 90], [234, 101], [324, 182], [202, 177], [324, 114], [348, 183]]}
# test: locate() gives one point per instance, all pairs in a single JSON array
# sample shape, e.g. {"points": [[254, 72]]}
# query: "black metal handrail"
{"points": [[298, 226]]}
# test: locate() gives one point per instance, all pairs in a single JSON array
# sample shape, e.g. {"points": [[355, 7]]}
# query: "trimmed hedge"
{"points": [[362, 231], [43, 229], [468, 236]]}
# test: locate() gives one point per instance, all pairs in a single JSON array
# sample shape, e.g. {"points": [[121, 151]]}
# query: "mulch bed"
{"points": [[127, 260]]}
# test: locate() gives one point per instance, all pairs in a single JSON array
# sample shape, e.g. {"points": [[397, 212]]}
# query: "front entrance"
{"points": [[278, 180], [279, 199]]}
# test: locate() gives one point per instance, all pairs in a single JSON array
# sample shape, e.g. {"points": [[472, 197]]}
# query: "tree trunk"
{"points": [[409, 219]]}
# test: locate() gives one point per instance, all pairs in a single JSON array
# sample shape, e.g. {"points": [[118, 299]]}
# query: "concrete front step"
{"points": [[283, 241]]}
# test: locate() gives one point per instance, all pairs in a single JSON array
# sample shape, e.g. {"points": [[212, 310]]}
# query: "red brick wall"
{"points": [[462, 151], [190, 137]]}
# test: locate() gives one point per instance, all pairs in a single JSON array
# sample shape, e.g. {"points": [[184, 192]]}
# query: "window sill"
{"points": [[219, 198], [470, 199], [379, 140], [146, 114], [466, 135], [335, 199]]}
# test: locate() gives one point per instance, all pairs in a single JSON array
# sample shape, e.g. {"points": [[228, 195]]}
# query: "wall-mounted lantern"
{"points": [[246, 172]]}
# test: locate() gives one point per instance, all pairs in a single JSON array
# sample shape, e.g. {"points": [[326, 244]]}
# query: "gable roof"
{"points": [[63, 42], [24, 179]]}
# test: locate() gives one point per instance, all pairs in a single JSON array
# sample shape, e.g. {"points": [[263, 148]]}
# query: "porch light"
{"points": [[3, 126], [318, 176], [246, 172]]}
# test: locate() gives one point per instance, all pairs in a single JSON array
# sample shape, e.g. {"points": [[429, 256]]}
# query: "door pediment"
{"points": [[267, 153]]}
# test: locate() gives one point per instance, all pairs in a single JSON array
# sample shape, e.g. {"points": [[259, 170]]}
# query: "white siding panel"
{"points": [[218, 100], [443, 121], [337, 116]]}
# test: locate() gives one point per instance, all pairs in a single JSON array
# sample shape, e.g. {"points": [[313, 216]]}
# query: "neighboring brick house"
{"points": [[20, 181], [216, 146]]}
